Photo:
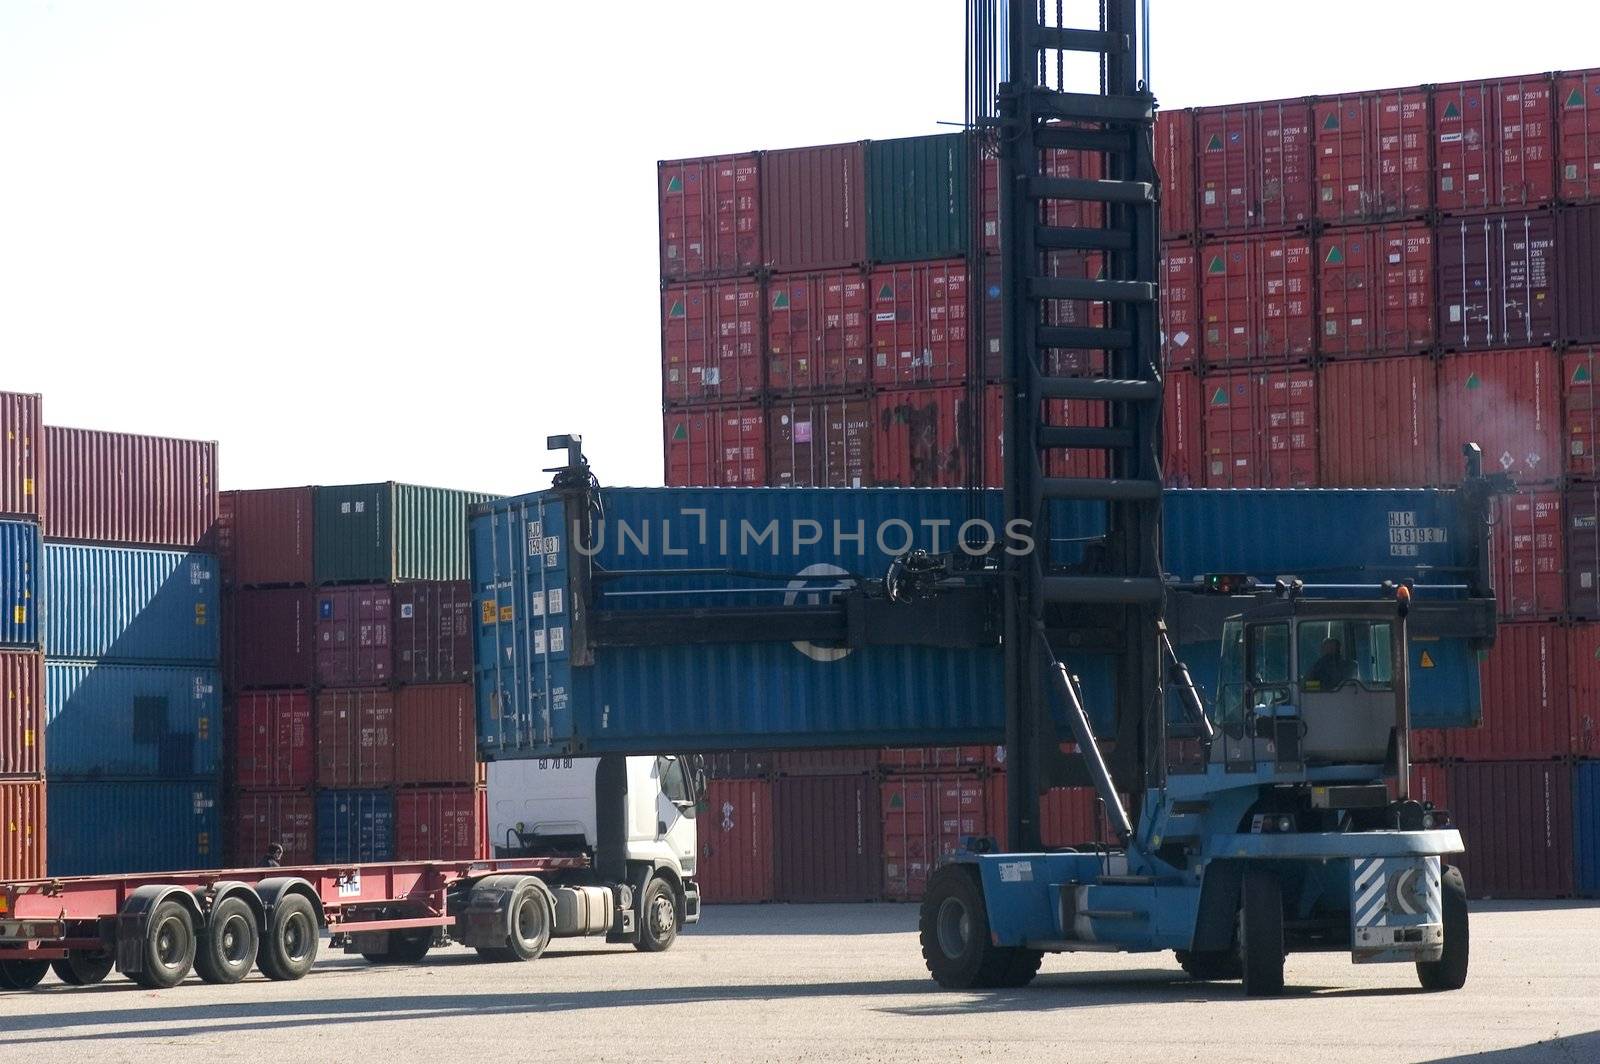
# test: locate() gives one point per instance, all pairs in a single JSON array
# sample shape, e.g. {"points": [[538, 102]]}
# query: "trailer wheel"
{"points": [[1261, 934], [954, 929], [22, 975], [229, 943], [529, 918], [289, 941], [83, 968], [168, 947], [404, 947], [658, 918], [1449, 972], [1210, 966]]}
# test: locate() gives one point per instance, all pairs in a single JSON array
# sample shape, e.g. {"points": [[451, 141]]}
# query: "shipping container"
{"points": [[1527, 712], [813, 207], [112, 487], [934, 759], [1058, 413], [431, 629], [135, 721], [272, 740], [22, 830], [1254, 165], [710, 212], [261, 818], [435, 736], [711, 342], [355, 826], [1586, 827], [270, 637], [1494, 144], [1578, 244], [272, 535], [1582, 505], [21, 434], [1498, 281], [377, 533], [738, 764], [223, 542], [835, 762], [819, 332], [1516, 820], [441, 824], [355, 645], [1261, 428], [1183, 436], [355, 737], [925, 821], [1257, 295], [827, 838], [917, 191], [923, 437], [1581, 411], [1175, 164], [821, 443], [1379, 423], [1577, 110], [122, 604], [919, 323], [734, 863], [20, 559], [1068, 816], [1530, 558], [1180, 306], [1372, 155], [101, 827], [1376, 290], [1430, 744], [1508, 403], [719, 446], [1430, 784], [1583, 677], [21, 713]]}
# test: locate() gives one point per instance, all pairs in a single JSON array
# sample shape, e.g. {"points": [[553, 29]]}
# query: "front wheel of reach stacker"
{"points": [[1449, 972], [1261, 934], [956, 945]]}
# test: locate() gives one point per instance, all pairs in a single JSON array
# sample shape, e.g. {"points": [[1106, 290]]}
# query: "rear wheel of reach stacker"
{"points": [[1449, 972], [955, 936], [1211, 966], [1261, 934]]}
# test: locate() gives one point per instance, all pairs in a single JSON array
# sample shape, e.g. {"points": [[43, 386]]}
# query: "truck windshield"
{"points": [[1335, 653]]}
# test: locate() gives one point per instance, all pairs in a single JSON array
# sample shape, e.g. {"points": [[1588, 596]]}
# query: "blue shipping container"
{"points": [[1586, 827], [120, 604], [355, 826], [19, 584], [138, 721], [105, 827]]}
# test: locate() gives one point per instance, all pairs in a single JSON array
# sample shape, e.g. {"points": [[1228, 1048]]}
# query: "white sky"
{"points": [[380, 239]]}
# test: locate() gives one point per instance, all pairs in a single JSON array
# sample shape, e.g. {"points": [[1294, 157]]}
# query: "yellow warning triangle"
{"points": [[1427, 660]]}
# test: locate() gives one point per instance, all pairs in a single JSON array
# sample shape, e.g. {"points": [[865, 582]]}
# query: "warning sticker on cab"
{"points": [[1016, 871]]}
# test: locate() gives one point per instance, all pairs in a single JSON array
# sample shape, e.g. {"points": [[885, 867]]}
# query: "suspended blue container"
{"points": [[107, 827], [1586, 827], [134, 721], [122, 604], [354, 826], [19, 584]]}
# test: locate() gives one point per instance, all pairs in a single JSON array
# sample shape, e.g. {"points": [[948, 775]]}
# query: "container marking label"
{"points": [[1016, 871], [407, 611]]}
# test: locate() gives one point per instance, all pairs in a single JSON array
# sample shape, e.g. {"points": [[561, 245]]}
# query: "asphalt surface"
{"points": [[843, 983]]}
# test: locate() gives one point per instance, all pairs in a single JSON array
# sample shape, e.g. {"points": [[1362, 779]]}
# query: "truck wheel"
{"points": [[290, 940], [82, 968], [228, 945], [530, 919], [954, 929], [168, 947], [404, 947], [658, 917], [1211, 965], [1261, 934], [22, 975], [1449, 972]]}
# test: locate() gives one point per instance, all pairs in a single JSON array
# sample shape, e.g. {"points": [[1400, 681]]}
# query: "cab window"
{"points": [[674, 783], [1267, 659], [1334, 654]]}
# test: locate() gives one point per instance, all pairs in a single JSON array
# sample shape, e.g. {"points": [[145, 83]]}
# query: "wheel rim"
{"points": [[296, 937], [169, 943], [530, 919], [663, 915], [235, 941], [953, 927]]}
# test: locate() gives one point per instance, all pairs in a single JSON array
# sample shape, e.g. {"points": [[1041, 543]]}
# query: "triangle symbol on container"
{"points": [[1473, 382], [675, 184], [1219, 397], [897, 802], [677, 310], [1335, 255], [1427, 660], [1580, 375], [1217, 265], [1101, 276], [1215, 143], [887, 291], [1576, 99], [1452, 111], [679, 433], [1332, 121], [780, 301]]}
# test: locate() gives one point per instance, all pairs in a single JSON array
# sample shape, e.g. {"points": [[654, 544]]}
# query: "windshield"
{"points": [[1332, 654]]}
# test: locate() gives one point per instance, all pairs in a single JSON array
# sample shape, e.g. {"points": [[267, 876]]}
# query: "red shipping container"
{"points": [[919, 323], [1526, 698], [1582, 504], [1380, 423], [1180, 306], [1578, 246], [1430, 783], [1261, 429], [711, 341], [1255, 168], [262, 818], [353, 636], [21, 713], [1530, 560], [355, 737], [1495, 144], [1516, 820], [21, 436], [1077, 462], [114, 487], [827, 837], [272, 530], [1175, 165], [1508, 403], [22, 830], [813, 207], [222, 540], [924, 821], [1430, 744], [1068, 816], [441, 824], [1498, 281], [1376, 295], [909, 759], [1583, 672], [1577, 110], [710, 216], [819, 332], [1372, 155], [923, 438], [823, 762], [710, 447], [1183, 437], [431, 624], [271, 642], [272, 739], [820, 443], [1258, 302], [435, 734], [735, 836]]}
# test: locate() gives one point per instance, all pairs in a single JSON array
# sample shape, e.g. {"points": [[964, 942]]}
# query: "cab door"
{"points": [[675, 812]]}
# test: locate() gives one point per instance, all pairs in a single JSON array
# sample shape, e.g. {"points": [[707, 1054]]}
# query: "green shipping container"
{"points": [[917, 198], [382, 533]]}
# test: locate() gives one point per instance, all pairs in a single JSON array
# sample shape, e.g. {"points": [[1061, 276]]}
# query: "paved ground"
{"points": [[843, 983]]}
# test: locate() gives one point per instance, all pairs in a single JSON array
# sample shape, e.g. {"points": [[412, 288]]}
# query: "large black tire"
{"points": [[22, 975], [658, 917], [530, 923], [1449, 972], [228, 945], [168, 947], [290, 940], [82, 968], [1212, 965], [954, 929], [404, 947], [1261, 934]]}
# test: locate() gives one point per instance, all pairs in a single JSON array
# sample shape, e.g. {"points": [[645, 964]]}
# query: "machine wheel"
{"points": [[1449, 972], [168, 947], [658, 917], [290, 940], [405, 947], [1261, 934], [229, 943], [82, 968], [955, 936], [530, 919], [22, 975], [1211, 966]]}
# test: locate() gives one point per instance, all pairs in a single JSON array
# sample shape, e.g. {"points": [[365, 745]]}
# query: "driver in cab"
{"points": [[1332, 670]]}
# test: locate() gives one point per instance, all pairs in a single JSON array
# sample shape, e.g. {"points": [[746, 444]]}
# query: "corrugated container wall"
{"points": [[1583, 676], [22, 830], [1376, 290], [1183, 437], [1526, 699], [100, 828], [354, 636], [1254, 165], [1578, 243], [272, 536], [1261, 429], [20, 563], [1175, 164], [917, 190], [1577, 109], [355, 826], [1180, 306], [819, 332], [127, 604], [1507, 402], [1582, 504], [435, 734], [827, 835], [1257, 294], [112, 487], [735, 839], [813, 207], [355, 737], [431, 629], [272, 740], [710, 212], [711, 341], [1372, 155], [919, 323], [925, 821], [268, 637], [1495, 144], [1529, 556], [922, 437], [21, 437], [1586, 827], [821, 443], [1516, 820], [135, 721], [441, 824], [262, 818], [716, 447], [1380, 423], [377, 533], [1498, 281], [21, 713]]}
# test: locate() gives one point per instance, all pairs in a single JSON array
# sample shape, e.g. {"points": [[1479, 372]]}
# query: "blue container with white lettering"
{"points": [[19, 584], [108, 827], [122, 604], [355, 826], [131, 721]]}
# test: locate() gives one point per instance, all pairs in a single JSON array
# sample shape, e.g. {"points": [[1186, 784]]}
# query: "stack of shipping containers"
{"points": [[22, 788]]}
